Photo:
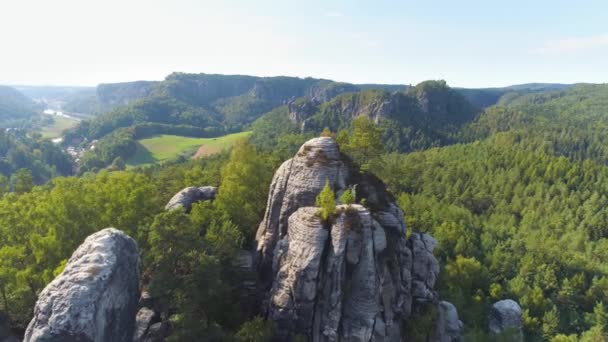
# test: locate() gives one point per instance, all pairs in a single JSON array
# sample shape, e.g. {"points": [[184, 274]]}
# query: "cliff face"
{"points": [[421, 107], [354, 278]]}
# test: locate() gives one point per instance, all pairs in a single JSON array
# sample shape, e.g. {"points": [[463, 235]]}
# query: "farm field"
{"points": [[164, 147], [59, 124]]}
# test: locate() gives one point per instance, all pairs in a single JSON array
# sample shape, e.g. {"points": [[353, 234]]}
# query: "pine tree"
{"points": [[326, 201]]}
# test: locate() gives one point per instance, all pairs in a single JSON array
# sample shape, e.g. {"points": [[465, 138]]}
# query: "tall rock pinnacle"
{"points": [[355, 277]]}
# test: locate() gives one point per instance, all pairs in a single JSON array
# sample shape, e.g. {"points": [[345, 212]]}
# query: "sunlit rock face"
{"points": [[355, 277], [95, 297]]}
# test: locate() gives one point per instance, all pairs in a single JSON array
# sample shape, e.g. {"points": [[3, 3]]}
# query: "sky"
{"points": [[468, 43]]}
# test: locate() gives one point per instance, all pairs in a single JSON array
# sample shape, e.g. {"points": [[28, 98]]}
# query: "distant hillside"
{"points": [[195, 105], [424, 116], [486, 97], [15, 108], [54, 93], [106, 97]]}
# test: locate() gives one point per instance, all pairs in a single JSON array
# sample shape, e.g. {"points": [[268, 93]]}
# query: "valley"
{"points": [[488, 172]]}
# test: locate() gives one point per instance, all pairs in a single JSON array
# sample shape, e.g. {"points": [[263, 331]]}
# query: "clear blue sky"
{"points": [[468, 43]]}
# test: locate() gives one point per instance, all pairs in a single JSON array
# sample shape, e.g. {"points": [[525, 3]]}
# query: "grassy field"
{"points": [[59, 124], [163, 147]]}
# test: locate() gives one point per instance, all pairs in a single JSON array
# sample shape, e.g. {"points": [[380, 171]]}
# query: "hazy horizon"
{"points": [[472, 44], [359, 83]]}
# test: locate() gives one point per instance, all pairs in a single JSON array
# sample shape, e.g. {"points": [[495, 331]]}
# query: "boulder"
{"points": [[95, 297], [506, 319], [144, 319], [190, 195], [449, 326]]}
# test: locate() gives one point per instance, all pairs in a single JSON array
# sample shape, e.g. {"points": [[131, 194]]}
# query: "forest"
{"points": [[514, 192]]}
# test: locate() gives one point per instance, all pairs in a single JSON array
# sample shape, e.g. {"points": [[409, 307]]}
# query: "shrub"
{"points": [[326, 201], [348, 197]]}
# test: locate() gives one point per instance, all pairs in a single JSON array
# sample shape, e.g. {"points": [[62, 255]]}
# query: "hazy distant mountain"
{"points": [[55, 93], [485, 97]]}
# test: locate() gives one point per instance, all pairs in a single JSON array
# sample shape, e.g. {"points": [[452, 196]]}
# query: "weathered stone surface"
{"points": [[506, 318], [144, 319], [355, 277], [296, 184], [190, 195], [449, 326], [292, 297], [331, 282], [425, 268], [95, 297]]}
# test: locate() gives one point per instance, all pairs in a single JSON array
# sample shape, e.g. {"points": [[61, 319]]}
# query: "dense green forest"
{"points": [[16, 110], [39, 159], [514, 193]]}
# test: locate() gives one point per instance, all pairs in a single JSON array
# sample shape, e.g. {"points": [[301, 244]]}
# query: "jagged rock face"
{"points": [[190, 195], [95, 297], [449, 326], [296, 184], [354, 278], [299, 112], [425, 268], [323, 93], [336, 282], [506, 318]]}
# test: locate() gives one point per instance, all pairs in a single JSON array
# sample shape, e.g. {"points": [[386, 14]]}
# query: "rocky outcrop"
{"points": [[300, 111], [151, 322], [190, 195], [296, 184], [506, 319], [95, 297], [355, 277], [449, 326], [425, 268]]}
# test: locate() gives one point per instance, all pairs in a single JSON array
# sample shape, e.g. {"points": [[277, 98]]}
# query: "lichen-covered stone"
{"points": [[95, 297]]}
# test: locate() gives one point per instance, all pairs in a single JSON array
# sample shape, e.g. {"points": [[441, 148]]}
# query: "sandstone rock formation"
{"points": [[190, 195], [95, 297], [449, 326], [506, 319], [353, 278]]}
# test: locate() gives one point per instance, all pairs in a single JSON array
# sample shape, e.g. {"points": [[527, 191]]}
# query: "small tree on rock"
{"points": [[326, 201], [348, 197]]}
